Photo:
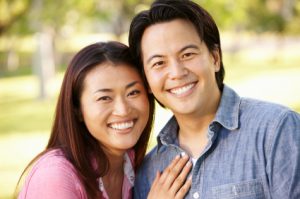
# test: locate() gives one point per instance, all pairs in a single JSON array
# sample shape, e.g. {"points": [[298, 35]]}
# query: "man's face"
{"points": [[179, 68]]}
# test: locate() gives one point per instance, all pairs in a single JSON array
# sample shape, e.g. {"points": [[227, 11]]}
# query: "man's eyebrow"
{"points": [[107, 90], [189, 46], [181, 50]]}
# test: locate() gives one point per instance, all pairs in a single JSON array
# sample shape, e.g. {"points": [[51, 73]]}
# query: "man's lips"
{"points": [[182, 89]]}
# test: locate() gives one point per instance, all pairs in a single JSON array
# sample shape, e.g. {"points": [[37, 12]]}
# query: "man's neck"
{"points": [[200, 119], [193, 135], [193, 128]]}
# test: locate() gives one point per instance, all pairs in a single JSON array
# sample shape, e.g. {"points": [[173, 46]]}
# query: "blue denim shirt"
{"points": [[253, 153]]}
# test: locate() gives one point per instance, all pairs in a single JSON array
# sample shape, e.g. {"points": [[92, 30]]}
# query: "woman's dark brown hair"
{"points": [[70, 134]]}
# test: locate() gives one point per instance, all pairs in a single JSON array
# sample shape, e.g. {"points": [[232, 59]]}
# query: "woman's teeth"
{"points": [[121, 126]]}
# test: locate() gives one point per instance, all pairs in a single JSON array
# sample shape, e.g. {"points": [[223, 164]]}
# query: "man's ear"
{"points": [[217, 59]]}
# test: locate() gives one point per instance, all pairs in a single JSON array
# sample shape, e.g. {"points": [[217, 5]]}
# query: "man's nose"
{"points": [[177, 70]]}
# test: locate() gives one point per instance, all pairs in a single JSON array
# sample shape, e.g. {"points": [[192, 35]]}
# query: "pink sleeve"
{"points": [[52, 177]]}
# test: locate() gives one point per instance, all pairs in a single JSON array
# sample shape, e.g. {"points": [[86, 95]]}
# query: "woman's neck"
{"points": [[113, 180]]}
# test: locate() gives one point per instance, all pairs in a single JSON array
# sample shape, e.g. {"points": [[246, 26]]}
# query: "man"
{"points": [[241, 148]]}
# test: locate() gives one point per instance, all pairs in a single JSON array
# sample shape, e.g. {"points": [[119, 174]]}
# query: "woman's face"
{"points": [[114, 106]]}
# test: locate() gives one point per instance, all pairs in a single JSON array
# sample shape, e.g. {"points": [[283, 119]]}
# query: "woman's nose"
{"points": [[121, 107]]}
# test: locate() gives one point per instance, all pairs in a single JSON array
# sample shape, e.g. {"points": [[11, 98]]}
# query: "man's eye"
{"points": [[187, 55]]}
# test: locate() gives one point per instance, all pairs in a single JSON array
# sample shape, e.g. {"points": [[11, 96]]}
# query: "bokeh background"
{"points": [[260, 42]]}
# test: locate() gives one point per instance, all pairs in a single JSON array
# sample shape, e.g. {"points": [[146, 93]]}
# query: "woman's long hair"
{"points": [[70, 134]]}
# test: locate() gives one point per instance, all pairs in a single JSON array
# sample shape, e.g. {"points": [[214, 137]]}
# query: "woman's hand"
{"points": [[172, 182]]}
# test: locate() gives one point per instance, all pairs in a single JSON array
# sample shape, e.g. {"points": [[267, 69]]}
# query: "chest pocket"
{"points": [[243, 190]]}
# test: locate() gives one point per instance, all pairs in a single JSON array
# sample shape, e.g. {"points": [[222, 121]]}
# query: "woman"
{"points": [[101, 130]]}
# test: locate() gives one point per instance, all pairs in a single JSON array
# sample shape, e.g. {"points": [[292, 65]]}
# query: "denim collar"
{"points": [[227, 116], [228, 111]]}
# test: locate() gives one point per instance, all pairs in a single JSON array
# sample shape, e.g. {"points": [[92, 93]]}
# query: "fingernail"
{"points": [[188, 163], [183, 154]]}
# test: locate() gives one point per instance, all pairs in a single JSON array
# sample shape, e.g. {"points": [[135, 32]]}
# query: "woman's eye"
{"points": [[134, 93], [104, 98]]}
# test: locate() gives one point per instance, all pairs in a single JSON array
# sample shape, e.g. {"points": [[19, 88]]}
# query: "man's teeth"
{"points": [[181, 90], [123, 125]]}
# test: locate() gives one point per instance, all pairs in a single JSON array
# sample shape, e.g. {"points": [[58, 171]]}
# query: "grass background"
{"points": [[270, 73]]}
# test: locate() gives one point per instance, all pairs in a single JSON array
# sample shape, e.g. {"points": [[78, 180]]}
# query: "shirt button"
{"points": [[196, 195]]}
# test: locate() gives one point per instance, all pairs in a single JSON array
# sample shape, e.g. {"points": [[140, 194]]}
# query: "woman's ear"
{"points": [[79, 114]]}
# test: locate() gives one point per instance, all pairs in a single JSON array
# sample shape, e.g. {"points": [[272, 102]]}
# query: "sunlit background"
{"points": [[260, 42]]}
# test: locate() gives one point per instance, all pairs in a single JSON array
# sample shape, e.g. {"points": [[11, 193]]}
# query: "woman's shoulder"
{"points": [[52, 174], [54, 161]]}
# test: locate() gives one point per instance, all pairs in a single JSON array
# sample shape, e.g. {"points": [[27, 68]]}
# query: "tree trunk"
{"points": [[43, 62]]}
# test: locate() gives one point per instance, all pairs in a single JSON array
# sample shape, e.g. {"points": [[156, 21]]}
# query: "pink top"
{"points": [[53, 176]]}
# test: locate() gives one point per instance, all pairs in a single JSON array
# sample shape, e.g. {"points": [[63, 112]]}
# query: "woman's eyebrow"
{"points": [[110, 90], [131, 84]]}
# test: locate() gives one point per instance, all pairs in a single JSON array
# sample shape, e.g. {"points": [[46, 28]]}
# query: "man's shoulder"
{"points": [[154, 159], [151, 155], [264, 108], [251, 106], [269, 117], [145, 175]]}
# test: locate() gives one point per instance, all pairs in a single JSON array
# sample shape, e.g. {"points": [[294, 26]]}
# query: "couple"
{"points": [[234, 147]]}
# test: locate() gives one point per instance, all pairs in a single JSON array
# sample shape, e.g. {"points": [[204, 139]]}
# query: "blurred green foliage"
{"points": [[11, 11], [21, 19], [28, 16], [256, 15], [20, 109]]}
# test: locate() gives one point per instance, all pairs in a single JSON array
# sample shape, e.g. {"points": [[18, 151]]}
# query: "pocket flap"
{"points": [[245, 189]]}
